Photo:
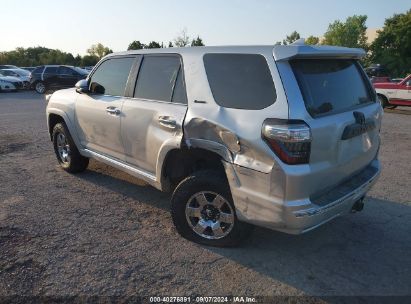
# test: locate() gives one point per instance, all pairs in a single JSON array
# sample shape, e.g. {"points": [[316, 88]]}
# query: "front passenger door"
{"points": [[98, 113]]}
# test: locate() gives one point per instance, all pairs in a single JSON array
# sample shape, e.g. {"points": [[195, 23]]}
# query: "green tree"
{"points": [[392, 47], [99, 50], [136, 45], [351, 33], [294, 36], [197, 42], [89, 60], [312, 40], [170, 44], [153, 45]]}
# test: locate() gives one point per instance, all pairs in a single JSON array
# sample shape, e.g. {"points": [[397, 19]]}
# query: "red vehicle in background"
{"points": [[393, 94]]}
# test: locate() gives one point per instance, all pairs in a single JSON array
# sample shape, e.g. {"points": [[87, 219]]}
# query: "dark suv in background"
{"points": [[55, 77]]}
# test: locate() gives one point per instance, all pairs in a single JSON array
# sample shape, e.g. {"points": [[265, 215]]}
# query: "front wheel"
{"points": [[203, 211], [66, 151]]}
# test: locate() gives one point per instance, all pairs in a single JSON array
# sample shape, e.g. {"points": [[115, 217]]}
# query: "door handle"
{"points": [[113, 111], [167, 121]]}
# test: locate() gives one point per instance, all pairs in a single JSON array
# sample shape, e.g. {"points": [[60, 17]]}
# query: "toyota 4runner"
{"points": [[283, 137]]}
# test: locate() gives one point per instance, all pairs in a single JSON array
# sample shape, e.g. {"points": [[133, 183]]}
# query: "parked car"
{"points": [[375, 79], [397, 80], [30, 69], [393, 94], [283, 137], [6, 86], [21, 74], [88, 68], [55, 77], [376, 70], [7, 66], [10, 83]]}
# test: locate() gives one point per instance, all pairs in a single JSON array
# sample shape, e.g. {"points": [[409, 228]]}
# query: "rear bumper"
{"points": [[296, 217]]}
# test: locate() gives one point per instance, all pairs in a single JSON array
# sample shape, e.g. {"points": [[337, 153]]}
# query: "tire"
{"points": [[66, 151], [384, 102], [40, 87], [197, 208]]}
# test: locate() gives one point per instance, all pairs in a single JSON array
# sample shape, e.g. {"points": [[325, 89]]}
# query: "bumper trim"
{"points": [[353, 196]]}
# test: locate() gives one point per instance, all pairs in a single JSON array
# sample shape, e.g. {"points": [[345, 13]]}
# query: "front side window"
{"points": [[240, 81], [111, 76], [331, 86], [179, 94], [158, 78]]}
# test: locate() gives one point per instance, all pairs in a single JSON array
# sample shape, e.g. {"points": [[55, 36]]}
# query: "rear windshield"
{"points": [[240, 81], [38, 70], [331, 86]]}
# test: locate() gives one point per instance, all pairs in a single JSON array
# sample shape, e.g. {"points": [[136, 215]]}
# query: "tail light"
{"points": [[290, 140]]}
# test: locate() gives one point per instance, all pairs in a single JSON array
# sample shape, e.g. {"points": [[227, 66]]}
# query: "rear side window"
{"points": [[160, 78], [51, 70], [66, 71], [111, 76], [38, 70], [240, 81], [331, 86]]}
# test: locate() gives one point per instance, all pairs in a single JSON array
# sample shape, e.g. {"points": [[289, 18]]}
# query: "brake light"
{"points": [[290, 140]]}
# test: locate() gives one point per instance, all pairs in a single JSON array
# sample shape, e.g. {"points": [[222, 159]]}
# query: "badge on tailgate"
{"points": [[360, 126]]}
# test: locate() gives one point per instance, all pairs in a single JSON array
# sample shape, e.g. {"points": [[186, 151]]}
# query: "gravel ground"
{"points": [[105, 233]]}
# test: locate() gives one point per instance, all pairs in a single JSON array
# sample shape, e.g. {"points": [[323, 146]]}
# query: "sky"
{"points": [[73, 26]]}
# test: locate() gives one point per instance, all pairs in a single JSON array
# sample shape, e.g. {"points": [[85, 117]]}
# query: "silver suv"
{"points": [[283, 137]]}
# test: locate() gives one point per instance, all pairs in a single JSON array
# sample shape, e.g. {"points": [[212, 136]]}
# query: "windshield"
{"points": [[331, 85], [21, 72], [81, 71]]}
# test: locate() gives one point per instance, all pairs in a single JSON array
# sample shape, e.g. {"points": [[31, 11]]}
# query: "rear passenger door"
{"points": [[153, 118]]}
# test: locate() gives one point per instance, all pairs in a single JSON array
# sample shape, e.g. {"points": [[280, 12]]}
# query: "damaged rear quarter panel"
{"points": [[235, 134]]}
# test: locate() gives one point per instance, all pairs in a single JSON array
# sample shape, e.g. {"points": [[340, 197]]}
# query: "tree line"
{"points": [[391, 48], [34, 56]]}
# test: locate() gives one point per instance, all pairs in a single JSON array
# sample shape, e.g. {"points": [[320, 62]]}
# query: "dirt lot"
{"points": [[105, 233]]}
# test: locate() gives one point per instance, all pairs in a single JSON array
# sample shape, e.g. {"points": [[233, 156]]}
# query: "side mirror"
{"points": [[82, 86]]}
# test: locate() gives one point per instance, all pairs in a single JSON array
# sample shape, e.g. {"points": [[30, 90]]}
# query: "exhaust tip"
{"points": [[358, 205]]}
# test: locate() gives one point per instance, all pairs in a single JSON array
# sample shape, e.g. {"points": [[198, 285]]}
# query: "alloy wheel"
{"points": [[209, 215], [63, 148]]}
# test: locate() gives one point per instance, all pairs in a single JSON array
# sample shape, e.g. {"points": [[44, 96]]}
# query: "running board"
{"points": [[144, 175]]}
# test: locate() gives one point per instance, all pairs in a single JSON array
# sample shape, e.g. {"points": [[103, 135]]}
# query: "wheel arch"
{"points": [[55, 116], [180, 163], [383, 95]]}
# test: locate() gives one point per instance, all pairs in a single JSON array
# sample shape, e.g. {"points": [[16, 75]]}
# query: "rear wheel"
{"points": [[40, 87], [203, 211], [66, 151], [384, 102]]}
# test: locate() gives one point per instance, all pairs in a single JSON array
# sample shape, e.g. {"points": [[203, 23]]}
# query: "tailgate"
{"points": [[334, 97]]}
